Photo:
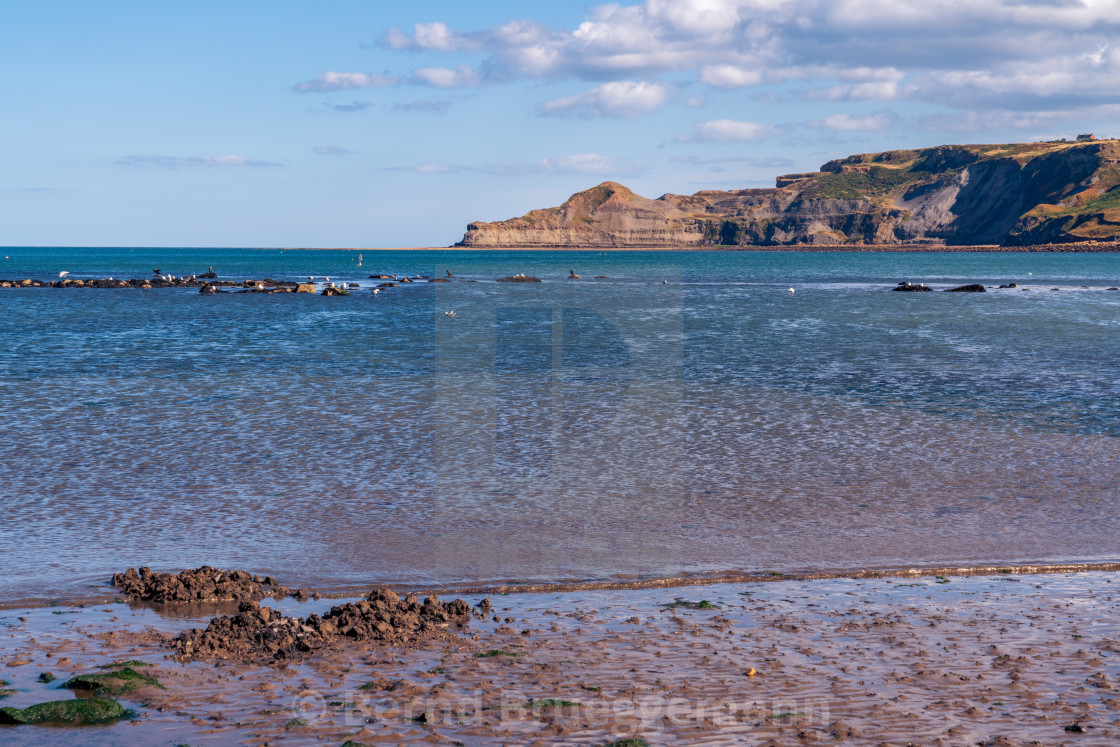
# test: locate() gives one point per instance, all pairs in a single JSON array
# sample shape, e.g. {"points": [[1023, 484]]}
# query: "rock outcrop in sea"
{"points": [[1018, 194]]}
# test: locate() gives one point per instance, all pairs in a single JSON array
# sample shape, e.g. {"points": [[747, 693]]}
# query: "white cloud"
{"points": [[441, 77], [723, 131], [729, 76], [875, 90], [1044, 55], [581, 163], [177, 161], [428, 36], [586, 163], [332, 81], [621, 99], [876, 122]]}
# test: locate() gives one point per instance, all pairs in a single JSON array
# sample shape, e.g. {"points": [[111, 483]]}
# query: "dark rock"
{"points": [[388, 285], [209, 275], [1075, 729], [329, 291], [382, 277], [909, 287], [203, 584], [970, 288], [305, 288], [1009, 285], [259, 633], [439, 280], [208, 289], [520, 278]]}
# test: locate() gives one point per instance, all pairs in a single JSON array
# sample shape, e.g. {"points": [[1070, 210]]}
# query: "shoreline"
{"points": [[660, 582], [1001, 660]]}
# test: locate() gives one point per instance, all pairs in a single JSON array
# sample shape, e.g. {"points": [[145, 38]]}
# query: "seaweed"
{"points": [[703, 604], [118, 682], [77, 712], [498, 652]]}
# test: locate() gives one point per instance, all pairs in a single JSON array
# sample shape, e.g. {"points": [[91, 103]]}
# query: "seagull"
{"points": [[64, 273], [790, 291], [449, 313], [376, 291]]}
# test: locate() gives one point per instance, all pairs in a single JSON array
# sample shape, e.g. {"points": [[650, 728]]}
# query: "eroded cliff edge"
{"points": [[1018, 194]]}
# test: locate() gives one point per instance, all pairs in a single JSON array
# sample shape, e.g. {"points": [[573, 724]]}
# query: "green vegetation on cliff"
{"points": [[1009, 194]]}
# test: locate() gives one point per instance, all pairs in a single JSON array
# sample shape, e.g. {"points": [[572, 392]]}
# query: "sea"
{"points": [[667, 414]]}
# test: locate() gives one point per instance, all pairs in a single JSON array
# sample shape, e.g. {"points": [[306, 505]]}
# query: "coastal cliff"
{"points": [[1018, 194]]}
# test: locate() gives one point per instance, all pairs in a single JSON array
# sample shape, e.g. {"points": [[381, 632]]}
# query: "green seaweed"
{"points": [[129, 663], [553, 703], [47, 677], [629, 742], [295, 722], [498, 652], [703, 604], [118, 682], [76, 712]]}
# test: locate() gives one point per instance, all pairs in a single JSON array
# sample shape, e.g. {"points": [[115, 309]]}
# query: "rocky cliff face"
{"points": [[1015, 194]]}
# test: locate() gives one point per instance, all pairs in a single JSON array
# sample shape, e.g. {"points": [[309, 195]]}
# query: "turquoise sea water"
{"points": [[623, 426]]}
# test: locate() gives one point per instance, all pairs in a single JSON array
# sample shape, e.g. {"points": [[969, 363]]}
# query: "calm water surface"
{"points": [[613, 427]]}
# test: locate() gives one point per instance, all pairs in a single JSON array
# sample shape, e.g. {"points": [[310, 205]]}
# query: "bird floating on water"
{"points": [[573, 276], [449, 314], [791, 291]]}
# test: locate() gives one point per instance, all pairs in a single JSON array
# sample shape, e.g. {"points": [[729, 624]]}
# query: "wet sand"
{"points": [[1005, 659]]}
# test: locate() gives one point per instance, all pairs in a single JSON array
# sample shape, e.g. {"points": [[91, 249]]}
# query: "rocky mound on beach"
{"points": [[203, 584], [1017, 194], [259, 633]]}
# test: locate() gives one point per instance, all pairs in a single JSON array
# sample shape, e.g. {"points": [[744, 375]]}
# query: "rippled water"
{"points": [[614, 427]]}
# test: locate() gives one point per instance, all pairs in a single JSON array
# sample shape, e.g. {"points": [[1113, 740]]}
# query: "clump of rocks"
{"points": [[259, 633], [908, 287], [205, 584]]}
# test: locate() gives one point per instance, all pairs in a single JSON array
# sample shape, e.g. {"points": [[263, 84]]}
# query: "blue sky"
{"points": [[364, 124]]}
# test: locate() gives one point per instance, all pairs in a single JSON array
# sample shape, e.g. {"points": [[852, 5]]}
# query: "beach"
{"points": [[584, 453], [1003, 659]]}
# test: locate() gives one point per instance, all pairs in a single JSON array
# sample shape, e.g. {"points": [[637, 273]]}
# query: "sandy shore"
{"points": [[1003, 659]]}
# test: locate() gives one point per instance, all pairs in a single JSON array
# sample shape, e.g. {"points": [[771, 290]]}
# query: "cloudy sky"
{"points": [[362, 124]]}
